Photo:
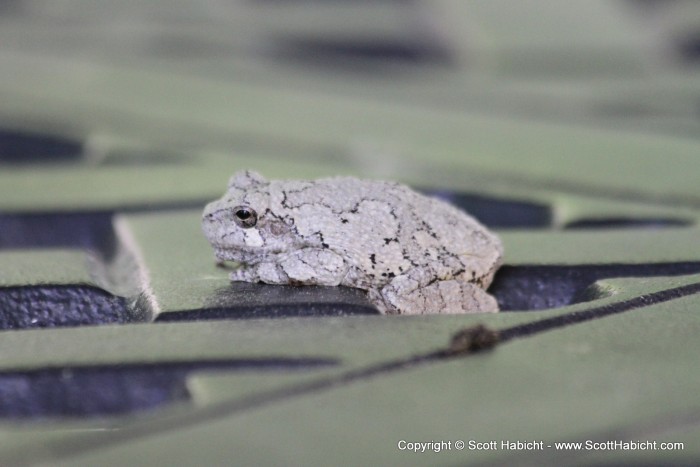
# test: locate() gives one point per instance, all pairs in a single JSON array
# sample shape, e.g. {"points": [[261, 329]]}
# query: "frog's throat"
{"points": [[242, 256]]}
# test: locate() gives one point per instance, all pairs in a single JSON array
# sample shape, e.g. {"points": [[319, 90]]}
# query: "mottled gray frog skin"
{"points": [[411, 253]]}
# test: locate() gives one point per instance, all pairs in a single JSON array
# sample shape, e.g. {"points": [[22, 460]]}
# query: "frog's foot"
{"points": [[312, 266], [439, 297], [244, 273], [308, 266]]}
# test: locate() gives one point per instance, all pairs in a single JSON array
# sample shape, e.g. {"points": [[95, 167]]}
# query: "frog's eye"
{"points": [[245, 217]]}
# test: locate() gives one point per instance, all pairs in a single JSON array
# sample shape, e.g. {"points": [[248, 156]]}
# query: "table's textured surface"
{"points": [[572, 130]]}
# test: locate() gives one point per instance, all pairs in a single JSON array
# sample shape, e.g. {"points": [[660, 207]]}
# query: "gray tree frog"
{"points": [[413, 254]]}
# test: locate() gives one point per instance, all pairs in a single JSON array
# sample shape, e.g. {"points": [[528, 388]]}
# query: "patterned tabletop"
{"points": [[570, 130]]}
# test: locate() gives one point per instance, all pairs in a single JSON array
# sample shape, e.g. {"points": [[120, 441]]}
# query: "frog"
{"points": [[411, 253]]}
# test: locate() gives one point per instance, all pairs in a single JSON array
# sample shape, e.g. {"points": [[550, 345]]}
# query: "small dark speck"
{"points": [[344, 221], [324, 245], [373, 258], [473, 339]]}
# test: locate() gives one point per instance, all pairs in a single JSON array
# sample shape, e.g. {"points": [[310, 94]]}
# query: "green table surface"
{"points": [[573, 108]]}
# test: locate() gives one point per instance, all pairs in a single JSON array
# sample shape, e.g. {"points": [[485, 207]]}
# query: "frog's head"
{"points": [[240, 225]]}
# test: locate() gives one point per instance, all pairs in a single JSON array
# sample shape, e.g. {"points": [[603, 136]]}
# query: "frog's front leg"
{"points": [[421, 291], [307, 266]]}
